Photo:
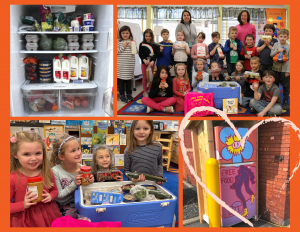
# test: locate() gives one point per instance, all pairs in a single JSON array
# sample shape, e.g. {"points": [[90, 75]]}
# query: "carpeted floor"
{"points": [[137, 108]]}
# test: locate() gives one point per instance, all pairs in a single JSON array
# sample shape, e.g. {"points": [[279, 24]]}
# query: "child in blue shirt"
{"points": [[213, 49], [164, 56]]}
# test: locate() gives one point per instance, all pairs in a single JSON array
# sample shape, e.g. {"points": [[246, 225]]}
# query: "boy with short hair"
{"points": [[249, 94], [165, 56], [232, 49], [271, 102], [213, 49], [264, 48], [282, 70], [251, 51]]}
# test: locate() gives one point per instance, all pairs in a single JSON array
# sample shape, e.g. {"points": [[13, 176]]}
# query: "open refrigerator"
{"points": [[237, 173], [23, 91]]}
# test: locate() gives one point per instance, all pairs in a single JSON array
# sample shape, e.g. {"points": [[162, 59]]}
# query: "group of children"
{"points": [[29, 159], [167, 94]]}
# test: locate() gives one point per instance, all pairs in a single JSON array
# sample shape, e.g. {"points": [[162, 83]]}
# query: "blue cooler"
{"points": [[220, 93], [131, 214]]}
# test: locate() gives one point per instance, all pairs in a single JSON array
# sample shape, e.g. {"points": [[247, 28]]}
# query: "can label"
{"points": [[83, 72], [73, 72], [34, 190], [57, 74], [66, 75]]}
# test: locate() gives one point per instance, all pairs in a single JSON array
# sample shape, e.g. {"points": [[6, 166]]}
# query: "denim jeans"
{"points": [[260, 105], [246, 101]]}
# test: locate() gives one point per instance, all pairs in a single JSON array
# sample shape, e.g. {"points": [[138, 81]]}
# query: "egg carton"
{"points": [[87, 46], [87, 38], [32, 38], [73, 46], [72, 38], [31, 46]]}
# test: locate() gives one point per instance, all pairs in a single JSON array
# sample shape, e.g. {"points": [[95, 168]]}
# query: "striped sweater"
{"points": [[126, 61], [146, 159]]}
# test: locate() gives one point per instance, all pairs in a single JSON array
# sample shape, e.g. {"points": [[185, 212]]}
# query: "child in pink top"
{"points": [[29, 159], [181, 86], [200, 38]]}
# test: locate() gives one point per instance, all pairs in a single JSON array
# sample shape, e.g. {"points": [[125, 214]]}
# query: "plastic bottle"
{"points": [[57, 69], [133, 47], [83, 67], [73, 66], [65, 68]]}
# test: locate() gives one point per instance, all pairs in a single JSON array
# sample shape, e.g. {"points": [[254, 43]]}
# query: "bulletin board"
{"points": [[277, 18], [51, 133]]}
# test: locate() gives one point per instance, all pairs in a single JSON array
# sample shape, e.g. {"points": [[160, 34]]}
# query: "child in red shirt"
{"points": [[251, 51]]}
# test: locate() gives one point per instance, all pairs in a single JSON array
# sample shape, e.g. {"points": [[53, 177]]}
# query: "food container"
{"points": [[79, 18], [30, 68], [39, 101], [108, 175], [88, 16], [35, 185], [74, 23], [76, 28], [45, 63], [73, 46], [32, 38], [45, 72], [86, 173], [87, 46], [88, 22], [72, 38], [129, 198], [158, 213], [87, 28], [32, 46], [45, 68], [79, 99]]}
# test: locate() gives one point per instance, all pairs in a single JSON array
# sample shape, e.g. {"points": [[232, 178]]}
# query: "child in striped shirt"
{"points": [[142, 154]]}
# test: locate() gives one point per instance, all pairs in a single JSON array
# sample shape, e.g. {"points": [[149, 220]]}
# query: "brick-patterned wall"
{"points": [[274, 194], [187, 139]]}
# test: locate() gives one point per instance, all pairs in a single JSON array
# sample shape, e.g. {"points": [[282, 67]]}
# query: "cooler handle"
{"points": [[100, 210], [164, 204], [77, 198]]}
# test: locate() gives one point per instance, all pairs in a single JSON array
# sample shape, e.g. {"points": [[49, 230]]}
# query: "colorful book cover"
{"points": [[86, 141], [230, 105], [119, 127], [102, 126], [86, 149], [112, 139], [87, 123], [87, 130], [87, 159], [122, 139], [119, 159], [201, 49], [99, 139], [114, 148]]}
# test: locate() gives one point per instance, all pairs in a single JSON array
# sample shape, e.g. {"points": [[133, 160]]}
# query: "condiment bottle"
{"points": [[86, 173], [35, 185], [181, 87], [163, 81]]}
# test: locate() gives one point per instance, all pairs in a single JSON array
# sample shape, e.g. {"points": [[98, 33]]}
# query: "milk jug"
{"points": [[73, 66], [65, 68], [83, 67], [56, 69], [133, 47]]}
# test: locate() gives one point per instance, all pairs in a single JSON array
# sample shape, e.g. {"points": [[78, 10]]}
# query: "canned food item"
{"points": [[35, 185], [88, 16], [86, 173]]}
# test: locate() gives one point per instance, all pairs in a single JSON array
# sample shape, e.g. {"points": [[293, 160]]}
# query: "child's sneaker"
{"points": [[285, 106], [252, 110], [169, 109], [149, 109], [129, 97], [272, 115], [123, 98]]}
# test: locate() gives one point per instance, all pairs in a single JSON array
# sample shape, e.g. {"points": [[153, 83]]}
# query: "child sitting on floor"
{"points": [[200, 75], [215, 72]]}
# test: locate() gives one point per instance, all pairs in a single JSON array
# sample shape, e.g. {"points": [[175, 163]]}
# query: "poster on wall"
{"points": [[51, 133], [260, 30], [31, 129], [277, 18]]}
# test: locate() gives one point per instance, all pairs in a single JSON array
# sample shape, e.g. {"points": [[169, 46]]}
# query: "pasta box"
{"points": [[157, 213], [231, 90]]}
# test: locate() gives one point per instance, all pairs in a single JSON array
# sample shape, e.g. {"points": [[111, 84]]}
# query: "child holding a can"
{"points": [[66, 159], [200, 75]]}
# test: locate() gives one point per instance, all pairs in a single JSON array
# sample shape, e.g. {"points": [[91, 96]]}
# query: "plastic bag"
{"points": [[46, 18], [28, 20], [139, 192], [149, 74], [61, 21], [59, 43], [26, 27], [45, 43]]}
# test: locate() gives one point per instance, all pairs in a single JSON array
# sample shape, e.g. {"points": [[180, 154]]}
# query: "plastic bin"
{"points": [[220, 93], [79, 100], [87, 46], [39, 101], [131, 214]]}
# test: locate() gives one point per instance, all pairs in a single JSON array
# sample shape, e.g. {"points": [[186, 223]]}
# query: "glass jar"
{"points": [[86, 173], [35, 185]]}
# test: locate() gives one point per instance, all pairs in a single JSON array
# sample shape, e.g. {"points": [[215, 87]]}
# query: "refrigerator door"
{"points": [[238, 191], [228, 146]]}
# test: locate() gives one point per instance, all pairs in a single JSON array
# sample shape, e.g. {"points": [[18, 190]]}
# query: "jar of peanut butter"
{"points": [[86, 173], [35, 185]]}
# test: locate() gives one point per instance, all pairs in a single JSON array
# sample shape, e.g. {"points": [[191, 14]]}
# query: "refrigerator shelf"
{"points": [[56, 52], [57, 32]]}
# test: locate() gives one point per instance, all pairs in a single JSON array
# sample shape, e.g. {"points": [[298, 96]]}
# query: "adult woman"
{"points": [[245, 28], [190, 37]]}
